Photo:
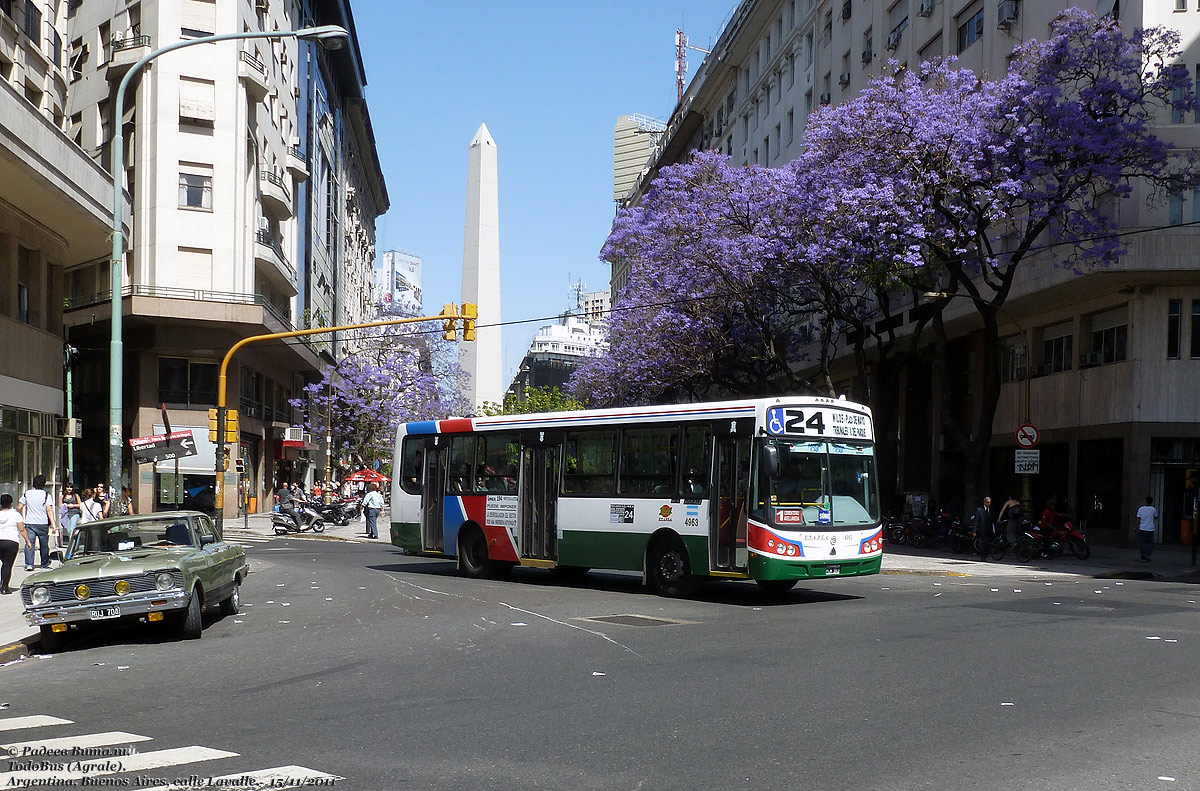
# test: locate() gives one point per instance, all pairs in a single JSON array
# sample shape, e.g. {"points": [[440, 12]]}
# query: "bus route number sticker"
{"points": [[819, 422], [619, 514]]}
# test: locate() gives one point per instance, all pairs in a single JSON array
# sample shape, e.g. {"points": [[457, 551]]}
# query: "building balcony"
{"points": [[125, 52], [274, 193], [252, 74], [268, 251], [296, 163]]}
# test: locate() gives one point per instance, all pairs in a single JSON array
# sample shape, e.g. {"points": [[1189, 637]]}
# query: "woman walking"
{"points": [[12, 531], [70, 511]]}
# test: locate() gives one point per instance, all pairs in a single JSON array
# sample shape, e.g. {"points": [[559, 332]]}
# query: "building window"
{"points": [[970, 31], [1012, 359], [1195, 351], [1174, 317], [1176, 106], [1057, 353], [1109, 336], [79, 58], [195, 191], [33, 22], [56, 49], [22, 303], [184, 381], [196, 102], [791, 126], [1175, 209]]}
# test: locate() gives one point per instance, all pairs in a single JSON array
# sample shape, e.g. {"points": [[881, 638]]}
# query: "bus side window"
{"points": [[591, 458], [697, 461], [462, 465], [411, 458]]}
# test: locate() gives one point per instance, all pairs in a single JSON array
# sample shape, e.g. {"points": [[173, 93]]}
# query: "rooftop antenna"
{"points": [[681, 48]]}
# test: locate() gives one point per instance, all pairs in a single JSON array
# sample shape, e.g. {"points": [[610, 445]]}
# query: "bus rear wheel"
{"points": [[473, 553], [668, 568]]}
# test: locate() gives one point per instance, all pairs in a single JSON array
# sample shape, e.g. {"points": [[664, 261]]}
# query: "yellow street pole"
{"points": [[448, 316]]}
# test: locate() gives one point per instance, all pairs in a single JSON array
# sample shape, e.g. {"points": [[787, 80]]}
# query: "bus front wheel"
{"points": [[668, 568], [473, 553]]}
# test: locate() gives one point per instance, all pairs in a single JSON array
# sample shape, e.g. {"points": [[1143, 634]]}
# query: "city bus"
{"points": [[774, 490]]}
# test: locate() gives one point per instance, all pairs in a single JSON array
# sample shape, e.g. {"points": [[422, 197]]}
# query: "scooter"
{"points": [[309, 520], [336, 512]]}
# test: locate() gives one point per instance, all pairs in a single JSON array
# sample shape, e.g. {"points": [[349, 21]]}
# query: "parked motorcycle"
{"points": [[1036, 540], [308, 517], [1065, 535], [339, 512]]}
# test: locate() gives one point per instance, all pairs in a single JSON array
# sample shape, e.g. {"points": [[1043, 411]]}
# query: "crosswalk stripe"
{"points": [[278, 777], [107, 766], [18, 749], [32, 721]]}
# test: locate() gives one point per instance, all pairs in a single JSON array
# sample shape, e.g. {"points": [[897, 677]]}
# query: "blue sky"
{"points": [[549, 79]]}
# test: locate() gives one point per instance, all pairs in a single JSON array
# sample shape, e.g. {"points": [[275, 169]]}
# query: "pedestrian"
{"points": [[37, 511], [70, 511], [91, 509], [12, 531], [1146, 515], [372, 507], [102, 498], [983, 527], [1011, 514]]}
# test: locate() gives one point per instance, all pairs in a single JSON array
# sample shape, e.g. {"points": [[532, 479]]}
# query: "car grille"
{"points": [[64, 592]]}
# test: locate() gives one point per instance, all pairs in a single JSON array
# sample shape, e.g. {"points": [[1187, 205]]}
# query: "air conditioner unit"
{"points": [[893, 39], [826, 98], [69, 427], [1006, 14], [844, 79], [926, 8], [1091, 358], [293, 435]]}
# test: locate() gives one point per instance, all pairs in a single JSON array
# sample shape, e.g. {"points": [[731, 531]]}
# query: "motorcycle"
{"points": [[1065, 534], [1036, 540], [339, 512], [960, 537], [309, 520]]}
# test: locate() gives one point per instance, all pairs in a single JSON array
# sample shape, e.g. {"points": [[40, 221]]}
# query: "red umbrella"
{"points": [[370, 476]]}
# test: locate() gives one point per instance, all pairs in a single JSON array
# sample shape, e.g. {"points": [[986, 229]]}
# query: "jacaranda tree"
{"points": [[932, 179]]}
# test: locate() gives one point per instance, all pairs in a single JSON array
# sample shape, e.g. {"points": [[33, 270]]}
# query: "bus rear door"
{"points": [[539, 496], [433, 495], [731, 473]]}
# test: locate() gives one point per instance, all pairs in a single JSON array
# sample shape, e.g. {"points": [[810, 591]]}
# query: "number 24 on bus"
{"points": [[774, 490]]}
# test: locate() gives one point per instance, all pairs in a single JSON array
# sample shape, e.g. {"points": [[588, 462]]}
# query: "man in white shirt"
{"points": [[1146, 516], [37, 509], [372, 506]]}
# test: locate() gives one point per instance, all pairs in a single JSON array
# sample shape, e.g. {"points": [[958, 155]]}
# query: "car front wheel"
{"points": [[192, 624]]}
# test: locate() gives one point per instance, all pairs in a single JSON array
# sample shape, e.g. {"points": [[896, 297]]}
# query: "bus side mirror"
{"points": [[770, 461]]}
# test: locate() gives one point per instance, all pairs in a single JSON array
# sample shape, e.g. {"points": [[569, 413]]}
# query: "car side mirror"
{"points": [[207, 539]]}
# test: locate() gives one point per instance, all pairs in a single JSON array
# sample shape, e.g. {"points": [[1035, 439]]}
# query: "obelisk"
{"points": [[482, 358]]}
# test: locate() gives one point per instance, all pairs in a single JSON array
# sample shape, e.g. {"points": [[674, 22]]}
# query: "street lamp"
{"points": [[330, 37]]}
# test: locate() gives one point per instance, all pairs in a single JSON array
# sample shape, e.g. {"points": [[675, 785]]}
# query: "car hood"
{"points": [[117, 564]]}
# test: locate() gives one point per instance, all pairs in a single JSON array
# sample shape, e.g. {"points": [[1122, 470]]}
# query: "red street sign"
{"points": [[162, 447], [174, 436], [1028, 436]]}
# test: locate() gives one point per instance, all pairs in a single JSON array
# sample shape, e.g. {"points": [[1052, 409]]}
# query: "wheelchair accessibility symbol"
{"points": [[775, 420]]}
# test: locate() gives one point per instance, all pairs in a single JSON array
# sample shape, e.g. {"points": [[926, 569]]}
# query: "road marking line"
{"points": [[278, 777], [108, 766], [32, 721], [15, 749]]}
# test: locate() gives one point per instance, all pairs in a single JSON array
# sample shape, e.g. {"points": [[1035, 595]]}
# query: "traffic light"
{"points": [[469, 314], [240, 464], [1189, 481], [212, 426], [231, 426], [449, 326]]}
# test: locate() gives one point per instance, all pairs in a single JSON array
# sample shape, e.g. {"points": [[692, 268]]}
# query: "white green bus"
{"points": [[775, 490]]}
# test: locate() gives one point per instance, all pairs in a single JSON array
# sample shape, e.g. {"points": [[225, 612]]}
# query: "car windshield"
{"points": [[114, 536], [821, 483]]}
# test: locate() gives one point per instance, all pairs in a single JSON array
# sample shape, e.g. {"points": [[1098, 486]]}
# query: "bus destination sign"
{"points": [[824, 422]]}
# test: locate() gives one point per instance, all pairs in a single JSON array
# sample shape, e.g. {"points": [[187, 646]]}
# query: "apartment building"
{"points": [[1100, 363], [255, 186], [55, 213]]}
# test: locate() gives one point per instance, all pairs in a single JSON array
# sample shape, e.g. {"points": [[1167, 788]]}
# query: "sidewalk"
{"points": [[16, 635], [1170, 563]]}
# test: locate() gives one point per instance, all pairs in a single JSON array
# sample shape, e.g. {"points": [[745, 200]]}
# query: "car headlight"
{"points": [[121, 588], [40, 595], [164, 581]]}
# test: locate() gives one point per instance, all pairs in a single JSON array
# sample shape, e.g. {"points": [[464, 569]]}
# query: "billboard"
{"points": [[398, 284]]}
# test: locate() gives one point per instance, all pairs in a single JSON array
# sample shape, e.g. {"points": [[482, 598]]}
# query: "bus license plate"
{"points": [[100, 613], [832, 570]]}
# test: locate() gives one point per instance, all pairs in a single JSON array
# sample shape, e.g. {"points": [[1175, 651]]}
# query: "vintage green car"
{"points": [[158, 568]]}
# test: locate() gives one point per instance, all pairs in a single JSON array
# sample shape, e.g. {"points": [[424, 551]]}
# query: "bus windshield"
{"points": [[820, 484]]}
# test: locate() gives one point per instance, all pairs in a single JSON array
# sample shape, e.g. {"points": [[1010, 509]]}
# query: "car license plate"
{"points": [[832, 570], [100, 613]]}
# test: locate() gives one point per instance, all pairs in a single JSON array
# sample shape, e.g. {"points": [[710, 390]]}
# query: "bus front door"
{"points": [[727, 539], [539, 502], [433, 495]]}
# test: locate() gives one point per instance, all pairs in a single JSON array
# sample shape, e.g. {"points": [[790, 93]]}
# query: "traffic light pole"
{"points": [[449, 316]]}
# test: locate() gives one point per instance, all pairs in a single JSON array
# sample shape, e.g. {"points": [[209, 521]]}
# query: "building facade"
{"points": [[1099, 363], [255, 187], [55, 213]]}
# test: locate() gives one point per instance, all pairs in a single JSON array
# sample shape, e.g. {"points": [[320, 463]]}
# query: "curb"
{"points": [[924, 573], [19, 649]]}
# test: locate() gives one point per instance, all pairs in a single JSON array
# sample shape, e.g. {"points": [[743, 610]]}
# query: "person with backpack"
{"points": [[37, 510]]}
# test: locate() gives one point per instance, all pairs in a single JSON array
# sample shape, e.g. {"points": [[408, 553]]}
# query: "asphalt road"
{"points": [[353, 661]]}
